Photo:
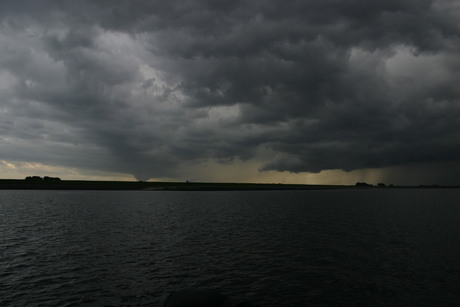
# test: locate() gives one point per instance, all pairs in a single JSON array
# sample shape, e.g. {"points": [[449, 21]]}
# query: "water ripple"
{"points": [[276, 248]]}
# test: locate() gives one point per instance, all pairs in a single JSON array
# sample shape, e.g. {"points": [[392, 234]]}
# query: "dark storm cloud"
{"points": [[138, 86]]}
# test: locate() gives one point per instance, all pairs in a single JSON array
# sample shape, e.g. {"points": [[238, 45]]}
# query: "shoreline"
{"points": [[21, 184]]}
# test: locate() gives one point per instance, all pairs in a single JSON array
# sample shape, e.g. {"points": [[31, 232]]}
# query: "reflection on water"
{"points": [[275, 248]]}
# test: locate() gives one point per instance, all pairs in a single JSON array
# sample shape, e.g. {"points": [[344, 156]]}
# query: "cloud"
{"points": [[150, 88]]}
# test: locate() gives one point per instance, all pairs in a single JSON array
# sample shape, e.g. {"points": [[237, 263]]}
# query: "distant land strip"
{"points": [[57, 184]]}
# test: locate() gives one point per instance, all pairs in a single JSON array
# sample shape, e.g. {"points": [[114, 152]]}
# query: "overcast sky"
{"points": [[306, 91]]}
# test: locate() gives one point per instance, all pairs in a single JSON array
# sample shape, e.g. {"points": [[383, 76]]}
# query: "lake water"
{"points": [[385, 247]]}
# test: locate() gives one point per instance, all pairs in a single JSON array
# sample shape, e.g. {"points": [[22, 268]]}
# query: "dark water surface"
{"points": [[275, 248]]}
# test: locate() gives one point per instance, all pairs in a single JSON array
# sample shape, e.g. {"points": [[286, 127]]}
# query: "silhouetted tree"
{"points": [[363, 184], [33, 179], [51, 179]]}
